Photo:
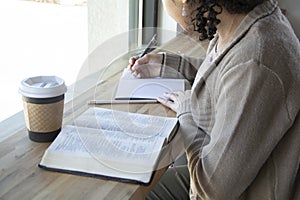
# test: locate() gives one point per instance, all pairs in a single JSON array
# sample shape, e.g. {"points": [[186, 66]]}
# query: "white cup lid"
{"points": [[42, 87]]}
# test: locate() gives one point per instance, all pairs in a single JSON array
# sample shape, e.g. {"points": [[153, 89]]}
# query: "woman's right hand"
{"points": [[148, 66]]}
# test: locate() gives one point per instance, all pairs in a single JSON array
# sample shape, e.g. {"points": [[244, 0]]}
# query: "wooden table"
{"points": [[20, 176]]}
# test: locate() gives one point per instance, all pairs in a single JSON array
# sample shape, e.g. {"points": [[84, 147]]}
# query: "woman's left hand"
{"points": [[178, 101]]}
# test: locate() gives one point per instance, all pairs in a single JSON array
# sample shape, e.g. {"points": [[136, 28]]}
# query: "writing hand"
{"points": [[147, 66], [132, 61]]}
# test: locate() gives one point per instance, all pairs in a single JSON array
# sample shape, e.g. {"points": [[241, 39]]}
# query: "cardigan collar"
{"points": [[260, 11]]}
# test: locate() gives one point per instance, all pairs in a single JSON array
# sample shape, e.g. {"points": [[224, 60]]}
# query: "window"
{"points": [[53, 39]]}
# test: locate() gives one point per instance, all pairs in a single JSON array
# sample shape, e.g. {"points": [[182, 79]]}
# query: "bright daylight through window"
{"points": [[51, 37]]}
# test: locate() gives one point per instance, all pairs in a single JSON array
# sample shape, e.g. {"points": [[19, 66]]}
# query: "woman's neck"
{"points": [[227, 27]]}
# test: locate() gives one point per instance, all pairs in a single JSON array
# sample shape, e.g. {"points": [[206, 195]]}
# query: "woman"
{"points": [[240, 121]]}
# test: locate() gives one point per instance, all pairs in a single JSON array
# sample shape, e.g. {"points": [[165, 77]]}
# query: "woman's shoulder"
{"points": [[267, 44]]}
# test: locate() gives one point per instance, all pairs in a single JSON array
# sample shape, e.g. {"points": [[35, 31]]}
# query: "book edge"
{"points": [[98, 176]]}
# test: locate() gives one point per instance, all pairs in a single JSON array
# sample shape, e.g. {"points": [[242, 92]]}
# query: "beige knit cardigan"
{"points": [[241, 125]]}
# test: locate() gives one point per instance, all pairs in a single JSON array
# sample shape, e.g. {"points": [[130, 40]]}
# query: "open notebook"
{"points": [[131, 87], [110, 144]]}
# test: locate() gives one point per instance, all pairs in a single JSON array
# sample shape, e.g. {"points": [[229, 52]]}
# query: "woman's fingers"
{"points": [[164, 101], [169, 100], [172, 100], [146, 66], [132, 61], [172, 96]]}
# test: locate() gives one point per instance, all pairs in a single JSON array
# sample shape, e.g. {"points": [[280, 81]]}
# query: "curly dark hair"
{"points": [[206, 25]]}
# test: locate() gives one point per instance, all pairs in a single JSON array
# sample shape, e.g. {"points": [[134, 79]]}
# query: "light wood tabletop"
{"points": [[20, 176]]}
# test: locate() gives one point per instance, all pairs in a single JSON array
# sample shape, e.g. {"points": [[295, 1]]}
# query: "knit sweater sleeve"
{"points": [[251, 117], [180, 66]]}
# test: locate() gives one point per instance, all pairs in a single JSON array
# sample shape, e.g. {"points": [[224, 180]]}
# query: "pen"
{"points": [[99, 102], [149, 46]]}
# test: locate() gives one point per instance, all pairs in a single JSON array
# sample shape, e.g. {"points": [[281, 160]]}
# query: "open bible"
{"points": [[110, 144]]}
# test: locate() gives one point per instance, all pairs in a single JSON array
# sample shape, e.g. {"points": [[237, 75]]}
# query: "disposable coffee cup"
{"points": [[43, 101]]}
